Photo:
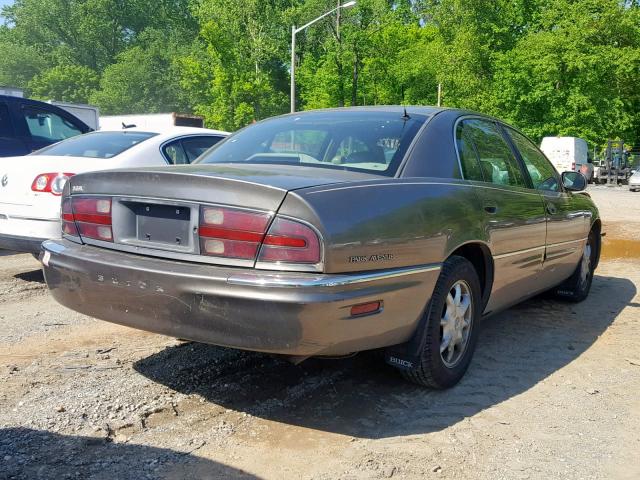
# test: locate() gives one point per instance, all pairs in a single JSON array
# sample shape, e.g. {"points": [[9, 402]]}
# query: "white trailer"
{"points": [[11, 91], [568, 154], [153, 121], [87, 113]]}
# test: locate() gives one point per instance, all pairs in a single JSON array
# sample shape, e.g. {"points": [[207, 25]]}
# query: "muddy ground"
{"points": [[553, 393]]}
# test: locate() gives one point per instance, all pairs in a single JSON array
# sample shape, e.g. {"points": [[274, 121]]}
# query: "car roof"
{"points": [[169, 132], [418, 109]]}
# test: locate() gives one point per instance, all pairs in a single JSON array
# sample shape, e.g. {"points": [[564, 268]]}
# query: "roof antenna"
{"points": [[405, 116]]}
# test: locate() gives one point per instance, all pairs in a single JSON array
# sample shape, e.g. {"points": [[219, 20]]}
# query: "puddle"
{"points": [[620, 248]]}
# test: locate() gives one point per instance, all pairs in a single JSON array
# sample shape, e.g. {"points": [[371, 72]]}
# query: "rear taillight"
{"points": [[231, 233], [68, 225], [573, 166], [289, 241], [50, 182], [88, 217]]}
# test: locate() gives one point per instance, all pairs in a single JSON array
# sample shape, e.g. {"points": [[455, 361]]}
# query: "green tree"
{"points": [[576, 74], [68, 83], [145, 78], [235, 74]]}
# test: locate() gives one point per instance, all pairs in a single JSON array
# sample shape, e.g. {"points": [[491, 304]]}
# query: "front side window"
{"points": [[497, 162], [48, 126], [370, 141], [542, 173], [97, 144]]}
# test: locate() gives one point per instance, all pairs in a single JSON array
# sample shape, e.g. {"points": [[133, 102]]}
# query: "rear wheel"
{"points": [[576, 288], [452, 327]]}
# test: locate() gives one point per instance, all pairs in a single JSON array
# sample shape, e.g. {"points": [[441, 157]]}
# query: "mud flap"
{"points": [[406, 356]]}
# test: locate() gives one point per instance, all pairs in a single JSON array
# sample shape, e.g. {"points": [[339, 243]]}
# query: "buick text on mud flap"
{"points": [[383, 257]]}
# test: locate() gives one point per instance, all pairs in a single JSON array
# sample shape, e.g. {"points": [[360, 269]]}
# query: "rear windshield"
{"points": [[96, 145], [348, 140]]}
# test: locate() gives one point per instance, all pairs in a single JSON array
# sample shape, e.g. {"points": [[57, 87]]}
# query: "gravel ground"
{"points": [[552, 393]]}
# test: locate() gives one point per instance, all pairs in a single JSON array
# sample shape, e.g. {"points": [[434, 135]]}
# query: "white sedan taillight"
{"points": [[50, 183]]}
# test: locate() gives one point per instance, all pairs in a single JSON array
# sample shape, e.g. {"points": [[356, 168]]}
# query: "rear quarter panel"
{"points": [[389, 223]]}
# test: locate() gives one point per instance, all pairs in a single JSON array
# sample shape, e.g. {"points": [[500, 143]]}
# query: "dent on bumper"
{"points": [[286, 313]]}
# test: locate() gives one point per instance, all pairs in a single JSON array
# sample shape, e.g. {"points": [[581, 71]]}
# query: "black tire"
{"points": [[431, 371], [576, 288]]}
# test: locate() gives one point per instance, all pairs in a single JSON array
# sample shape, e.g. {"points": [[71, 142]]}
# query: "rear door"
{"points": [[10, 143], [514, 215], [568, 224]]}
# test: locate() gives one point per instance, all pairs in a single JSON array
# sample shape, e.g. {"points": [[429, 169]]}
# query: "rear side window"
{"points": [[196, 146], [97, 145], [48, 126], [6, 127], [542, 173], [185, 150], [174, 153], [497, 162], [468, 158]]}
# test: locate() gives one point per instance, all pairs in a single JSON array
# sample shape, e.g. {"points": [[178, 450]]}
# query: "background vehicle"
{"points": [[634, 181], [89, 114], [153, 121], [30, 186], [28, 125], [615, 166], [330, 232], [568, 154]]}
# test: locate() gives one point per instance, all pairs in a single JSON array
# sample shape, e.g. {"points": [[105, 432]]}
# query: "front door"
{"points": [[567, 223], [515, 218]]}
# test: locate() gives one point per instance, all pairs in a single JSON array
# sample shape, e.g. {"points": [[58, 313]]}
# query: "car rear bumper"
{"points": [[278, 312], [23, 228], [20, 244]]}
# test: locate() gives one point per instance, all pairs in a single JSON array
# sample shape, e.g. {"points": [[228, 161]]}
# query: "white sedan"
{"points": [[634, 180], [30, 186]]}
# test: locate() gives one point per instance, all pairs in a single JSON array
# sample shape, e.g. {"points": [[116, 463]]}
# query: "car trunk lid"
{"points": [[18, 173], [156, 211]]}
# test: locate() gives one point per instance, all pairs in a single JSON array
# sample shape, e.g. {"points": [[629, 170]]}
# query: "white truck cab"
{"points": [[568, 154]]}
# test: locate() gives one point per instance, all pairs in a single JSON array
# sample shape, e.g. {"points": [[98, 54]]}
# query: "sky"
{"points": [[2, 4]]}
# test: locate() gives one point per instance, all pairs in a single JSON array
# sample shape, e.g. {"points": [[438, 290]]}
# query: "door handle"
{"points": [[551, 209], [491, 208]]}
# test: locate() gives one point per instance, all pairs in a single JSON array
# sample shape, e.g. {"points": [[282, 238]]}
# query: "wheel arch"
{"points": [[596, 227], [479, 255]]}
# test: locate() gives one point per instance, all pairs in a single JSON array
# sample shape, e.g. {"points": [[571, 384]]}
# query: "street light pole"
{"points": [[295, 30], [293, 68]]}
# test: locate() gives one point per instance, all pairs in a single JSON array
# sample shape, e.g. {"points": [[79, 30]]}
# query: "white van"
{"points": [[568, 154]]}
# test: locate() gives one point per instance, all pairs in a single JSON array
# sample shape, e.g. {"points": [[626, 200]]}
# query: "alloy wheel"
{"points": [[455, 324]]}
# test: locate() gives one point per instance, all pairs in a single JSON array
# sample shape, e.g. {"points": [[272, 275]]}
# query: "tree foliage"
{"points": [[551, 67]]}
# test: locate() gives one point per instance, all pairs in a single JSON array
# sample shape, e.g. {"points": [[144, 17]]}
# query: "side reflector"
{"points": [[365, 308]]}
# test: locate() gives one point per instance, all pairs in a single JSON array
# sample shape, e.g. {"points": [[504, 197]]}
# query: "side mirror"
{"points": [[574, 181]]}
